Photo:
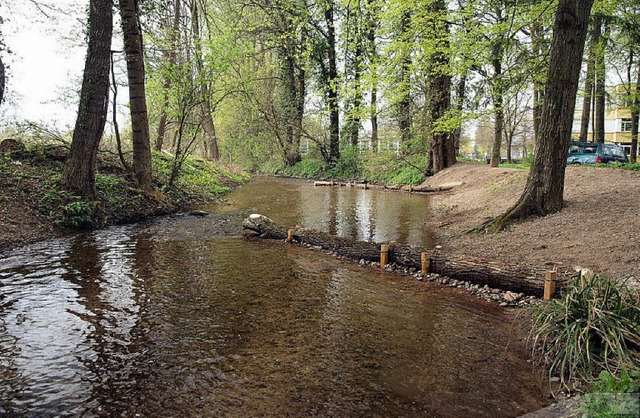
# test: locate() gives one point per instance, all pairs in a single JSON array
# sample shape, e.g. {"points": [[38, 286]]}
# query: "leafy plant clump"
{"points": [[613, 396], [595, 326]]}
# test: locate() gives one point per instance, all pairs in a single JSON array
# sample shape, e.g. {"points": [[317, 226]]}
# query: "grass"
{"points": [[594, 327]]}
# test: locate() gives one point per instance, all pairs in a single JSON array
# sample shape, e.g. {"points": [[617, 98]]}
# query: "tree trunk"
{"points": [[2, 82], [442, 150], [373, 63], [461, 94], [332, 93], [538, 87], [544, 190], [635, 111], [588, 88], [404, 80], [601, 75], [354, 117], [497, 92], [172, 58], [80, 170], [133, 47], [455, 266]]}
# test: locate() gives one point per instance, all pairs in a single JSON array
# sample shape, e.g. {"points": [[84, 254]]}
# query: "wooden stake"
{"points": [[550, 284], [384, 255], [290, 236], [426, 263]]}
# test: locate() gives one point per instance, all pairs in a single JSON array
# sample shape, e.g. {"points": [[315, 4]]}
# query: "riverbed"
{"points": [[185, 316]]}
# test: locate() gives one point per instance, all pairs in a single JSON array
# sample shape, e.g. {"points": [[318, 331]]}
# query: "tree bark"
{"points": [[442, 149], [455, 266], [538, 87], [80, 169], [133, 47], [601, 75], [332, 88], [172, 58], [588, 88], [373, 63], [635, 112], [497, 93], [544, 190], [404, 80], [2, 80]]}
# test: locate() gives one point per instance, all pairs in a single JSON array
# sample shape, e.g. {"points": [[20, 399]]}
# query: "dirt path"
{"points": [[599, 228]]}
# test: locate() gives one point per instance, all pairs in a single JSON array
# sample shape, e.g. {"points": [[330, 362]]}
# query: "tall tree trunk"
{"points": [[80, 168], [538, 86], [172, 58], [588, 88], [354, 118], [497, 94], [332, 93], [404, 80], [373, 63], [600, 70], [210, 139], [635, 112], [2, 82], [133, 48], [461, 94], [442, 148], [544, 190]]}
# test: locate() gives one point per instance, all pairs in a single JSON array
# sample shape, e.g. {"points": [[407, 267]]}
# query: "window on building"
{"points": [[626, 125]]}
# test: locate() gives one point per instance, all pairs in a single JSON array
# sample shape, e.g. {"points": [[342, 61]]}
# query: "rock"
{"points": [[511, 296], [199, 213], [495, 291], [11, 145], [503, 304]]}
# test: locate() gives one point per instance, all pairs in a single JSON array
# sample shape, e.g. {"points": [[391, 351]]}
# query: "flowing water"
{"points": [[182, 316]]}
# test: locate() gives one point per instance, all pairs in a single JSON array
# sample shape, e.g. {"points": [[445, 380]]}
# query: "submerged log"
{"points": [[519, 279]]}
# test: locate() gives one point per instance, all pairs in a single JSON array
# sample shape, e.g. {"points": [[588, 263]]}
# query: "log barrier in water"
{"points": [[516, 278]]}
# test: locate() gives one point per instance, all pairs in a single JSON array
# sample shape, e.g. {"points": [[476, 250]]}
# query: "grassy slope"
{"points": [[35, 207]]}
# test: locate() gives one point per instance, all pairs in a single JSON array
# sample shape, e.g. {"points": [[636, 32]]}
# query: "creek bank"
{"points": [[34, 207]]}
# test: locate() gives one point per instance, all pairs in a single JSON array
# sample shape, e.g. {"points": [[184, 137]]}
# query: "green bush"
{"points": [[76, 214], [595, 326]]}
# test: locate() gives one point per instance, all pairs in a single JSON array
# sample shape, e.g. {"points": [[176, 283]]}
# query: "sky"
{"points": [[45, 62]]}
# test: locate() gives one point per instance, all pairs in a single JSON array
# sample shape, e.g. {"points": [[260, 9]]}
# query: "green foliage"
{"points": [[595, 326], [379, 168], [627, 166], [65, 209], [611, 395]]}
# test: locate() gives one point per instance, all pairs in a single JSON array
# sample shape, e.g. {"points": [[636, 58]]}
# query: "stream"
{"points": [[183, 316]]}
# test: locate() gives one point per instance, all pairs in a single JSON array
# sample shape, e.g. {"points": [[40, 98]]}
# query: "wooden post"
{"points": [[290, 236], [550, 284], [384, 255], [426, 263]]}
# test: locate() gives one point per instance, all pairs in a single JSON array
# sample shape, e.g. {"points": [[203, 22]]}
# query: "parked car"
{"points": [[595, 153]]}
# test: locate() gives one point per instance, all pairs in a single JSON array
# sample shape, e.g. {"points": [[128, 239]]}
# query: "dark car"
{"points": [[595, 153]]}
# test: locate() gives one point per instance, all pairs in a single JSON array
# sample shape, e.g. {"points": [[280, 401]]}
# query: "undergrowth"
{"points": [[594, 327]]}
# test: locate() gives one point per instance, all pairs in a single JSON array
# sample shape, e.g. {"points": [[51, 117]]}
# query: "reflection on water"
{"points": [[369, 215], [181, 316]]}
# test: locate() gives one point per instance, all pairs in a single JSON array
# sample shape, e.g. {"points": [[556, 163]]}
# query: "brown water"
{"points": [[182, 316]]}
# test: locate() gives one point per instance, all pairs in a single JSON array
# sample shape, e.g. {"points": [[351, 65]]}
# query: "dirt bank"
{"points": [[599, 228]]}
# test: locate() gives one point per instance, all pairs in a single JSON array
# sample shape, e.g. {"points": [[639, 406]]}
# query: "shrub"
{"points": [[593, 327]]}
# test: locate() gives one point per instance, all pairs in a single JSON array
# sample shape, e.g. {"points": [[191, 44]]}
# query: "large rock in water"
{"points": [[11, 145]]}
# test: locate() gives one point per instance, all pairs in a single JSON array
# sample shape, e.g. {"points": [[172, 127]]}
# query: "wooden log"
{"points": [[517, 278]]}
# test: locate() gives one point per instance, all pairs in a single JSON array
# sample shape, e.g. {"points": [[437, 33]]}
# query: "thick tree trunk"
{"points": [[80, 169], [133, 47], [354, 118], [442, 150], [474, 270], [461, 94], [544, 190]]}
